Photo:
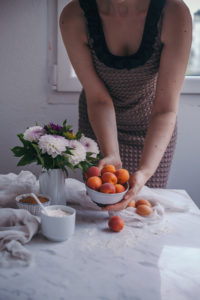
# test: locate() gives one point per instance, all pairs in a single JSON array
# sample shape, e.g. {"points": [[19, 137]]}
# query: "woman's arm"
{"points": [[99, 103], [176, 37]]}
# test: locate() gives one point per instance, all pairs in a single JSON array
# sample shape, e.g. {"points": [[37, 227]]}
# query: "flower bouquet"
{"points": [[56, 147]]}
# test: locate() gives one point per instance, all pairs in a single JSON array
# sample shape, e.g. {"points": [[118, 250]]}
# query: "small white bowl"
{"points": [[104, 199], [58, 229], [34, 209]]}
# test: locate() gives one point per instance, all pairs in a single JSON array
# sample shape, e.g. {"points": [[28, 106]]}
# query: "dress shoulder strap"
{"points": [[95, 31]]}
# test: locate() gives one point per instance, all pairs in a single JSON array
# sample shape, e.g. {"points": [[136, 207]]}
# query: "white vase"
{"points": [[52, 183]]}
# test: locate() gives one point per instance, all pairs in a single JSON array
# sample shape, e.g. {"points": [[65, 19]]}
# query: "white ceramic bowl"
{"points": [[105, 199], [58, 229], [34, 209]]}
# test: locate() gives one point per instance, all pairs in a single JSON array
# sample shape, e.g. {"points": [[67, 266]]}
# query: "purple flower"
{"points": [[55, 127]]}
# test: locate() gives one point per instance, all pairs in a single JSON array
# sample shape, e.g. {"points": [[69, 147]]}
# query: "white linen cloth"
{"points": [[76, 193], [12, 185], [17, 227]]}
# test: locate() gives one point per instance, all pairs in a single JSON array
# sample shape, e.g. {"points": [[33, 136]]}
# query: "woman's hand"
{"points": [[137, 181], [110, 160]]}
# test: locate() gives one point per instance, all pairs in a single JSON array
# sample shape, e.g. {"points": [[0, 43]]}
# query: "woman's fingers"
{"points": [[137, 181], [101, 164], [130, 194], [133, 191], [109, 160], [119, 206]]}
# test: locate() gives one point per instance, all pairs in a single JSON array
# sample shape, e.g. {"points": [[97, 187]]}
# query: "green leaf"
{"points": [[93, 159], [38, 154], [25, 160], [18, 151], [79, 166], [58, 162], [48, 161], [68, 164], [68, 127], [24, 142], [64, 126], [68, 151], [64, 123], [78, 135], [65, 170], [89, 154], [86, 165]]}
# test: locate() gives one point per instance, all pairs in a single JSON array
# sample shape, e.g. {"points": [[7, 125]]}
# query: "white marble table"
{"points": [[159, 262]]}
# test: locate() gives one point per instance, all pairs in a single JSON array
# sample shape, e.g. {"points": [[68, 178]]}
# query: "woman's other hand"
{"points": [[137, 181]]}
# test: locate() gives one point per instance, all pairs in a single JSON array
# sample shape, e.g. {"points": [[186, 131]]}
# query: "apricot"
{"points": [[119, 188], [142, 202], [131, 203], [116, 223], [108, 168], [122, 176], [144, 210], [109, 177], [92, 171], [107, 188], [94, 182]]}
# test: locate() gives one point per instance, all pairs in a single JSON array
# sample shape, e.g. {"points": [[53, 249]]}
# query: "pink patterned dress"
{"points": [[131, 82]]}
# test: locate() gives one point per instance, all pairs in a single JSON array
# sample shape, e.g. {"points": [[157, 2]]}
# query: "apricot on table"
{"points": [[142, 202], [119, 188], [144, 210], [94, 182], [92, 171], [108, 168], [122, 176], [109, 177], [107, 188], [131, 203], [116, 223]]}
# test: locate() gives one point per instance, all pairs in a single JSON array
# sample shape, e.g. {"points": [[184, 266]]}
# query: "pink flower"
{"points": [[89, 145], [78, 152], [32, 134]]}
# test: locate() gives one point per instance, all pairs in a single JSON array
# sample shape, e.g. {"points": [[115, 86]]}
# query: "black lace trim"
{"points": [[145, 50]]}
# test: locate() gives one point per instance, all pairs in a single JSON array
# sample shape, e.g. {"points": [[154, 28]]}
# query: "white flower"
{"points": [[89, 145], [33, 133], [53, 144], [78, 152]]}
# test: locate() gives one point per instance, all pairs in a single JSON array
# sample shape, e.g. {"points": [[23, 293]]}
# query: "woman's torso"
{"points": [[130, 80]]}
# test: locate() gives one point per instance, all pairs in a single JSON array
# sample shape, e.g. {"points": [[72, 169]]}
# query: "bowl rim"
{"points": [[108, 194], [22, 196], [51, 207]]}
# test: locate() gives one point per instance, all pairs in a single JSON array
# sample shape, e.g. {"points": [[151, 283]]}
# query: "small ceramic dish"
{"points": [[103, 199], [24, 201], [58, 228]]}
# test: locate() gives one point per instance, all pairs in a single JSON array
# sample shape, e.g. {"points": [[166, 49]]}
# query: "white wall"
{"points": [[24, 93], [24, 75], [185, 173]]}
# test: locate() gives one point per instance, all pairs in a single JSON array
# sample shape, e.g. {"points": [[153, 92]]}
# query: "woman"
{"points": [[130, 57]]}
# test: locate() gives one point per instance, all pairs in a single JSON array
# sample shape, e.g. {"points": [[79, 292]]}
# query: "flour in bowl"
{"points": [[58, 213]]}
